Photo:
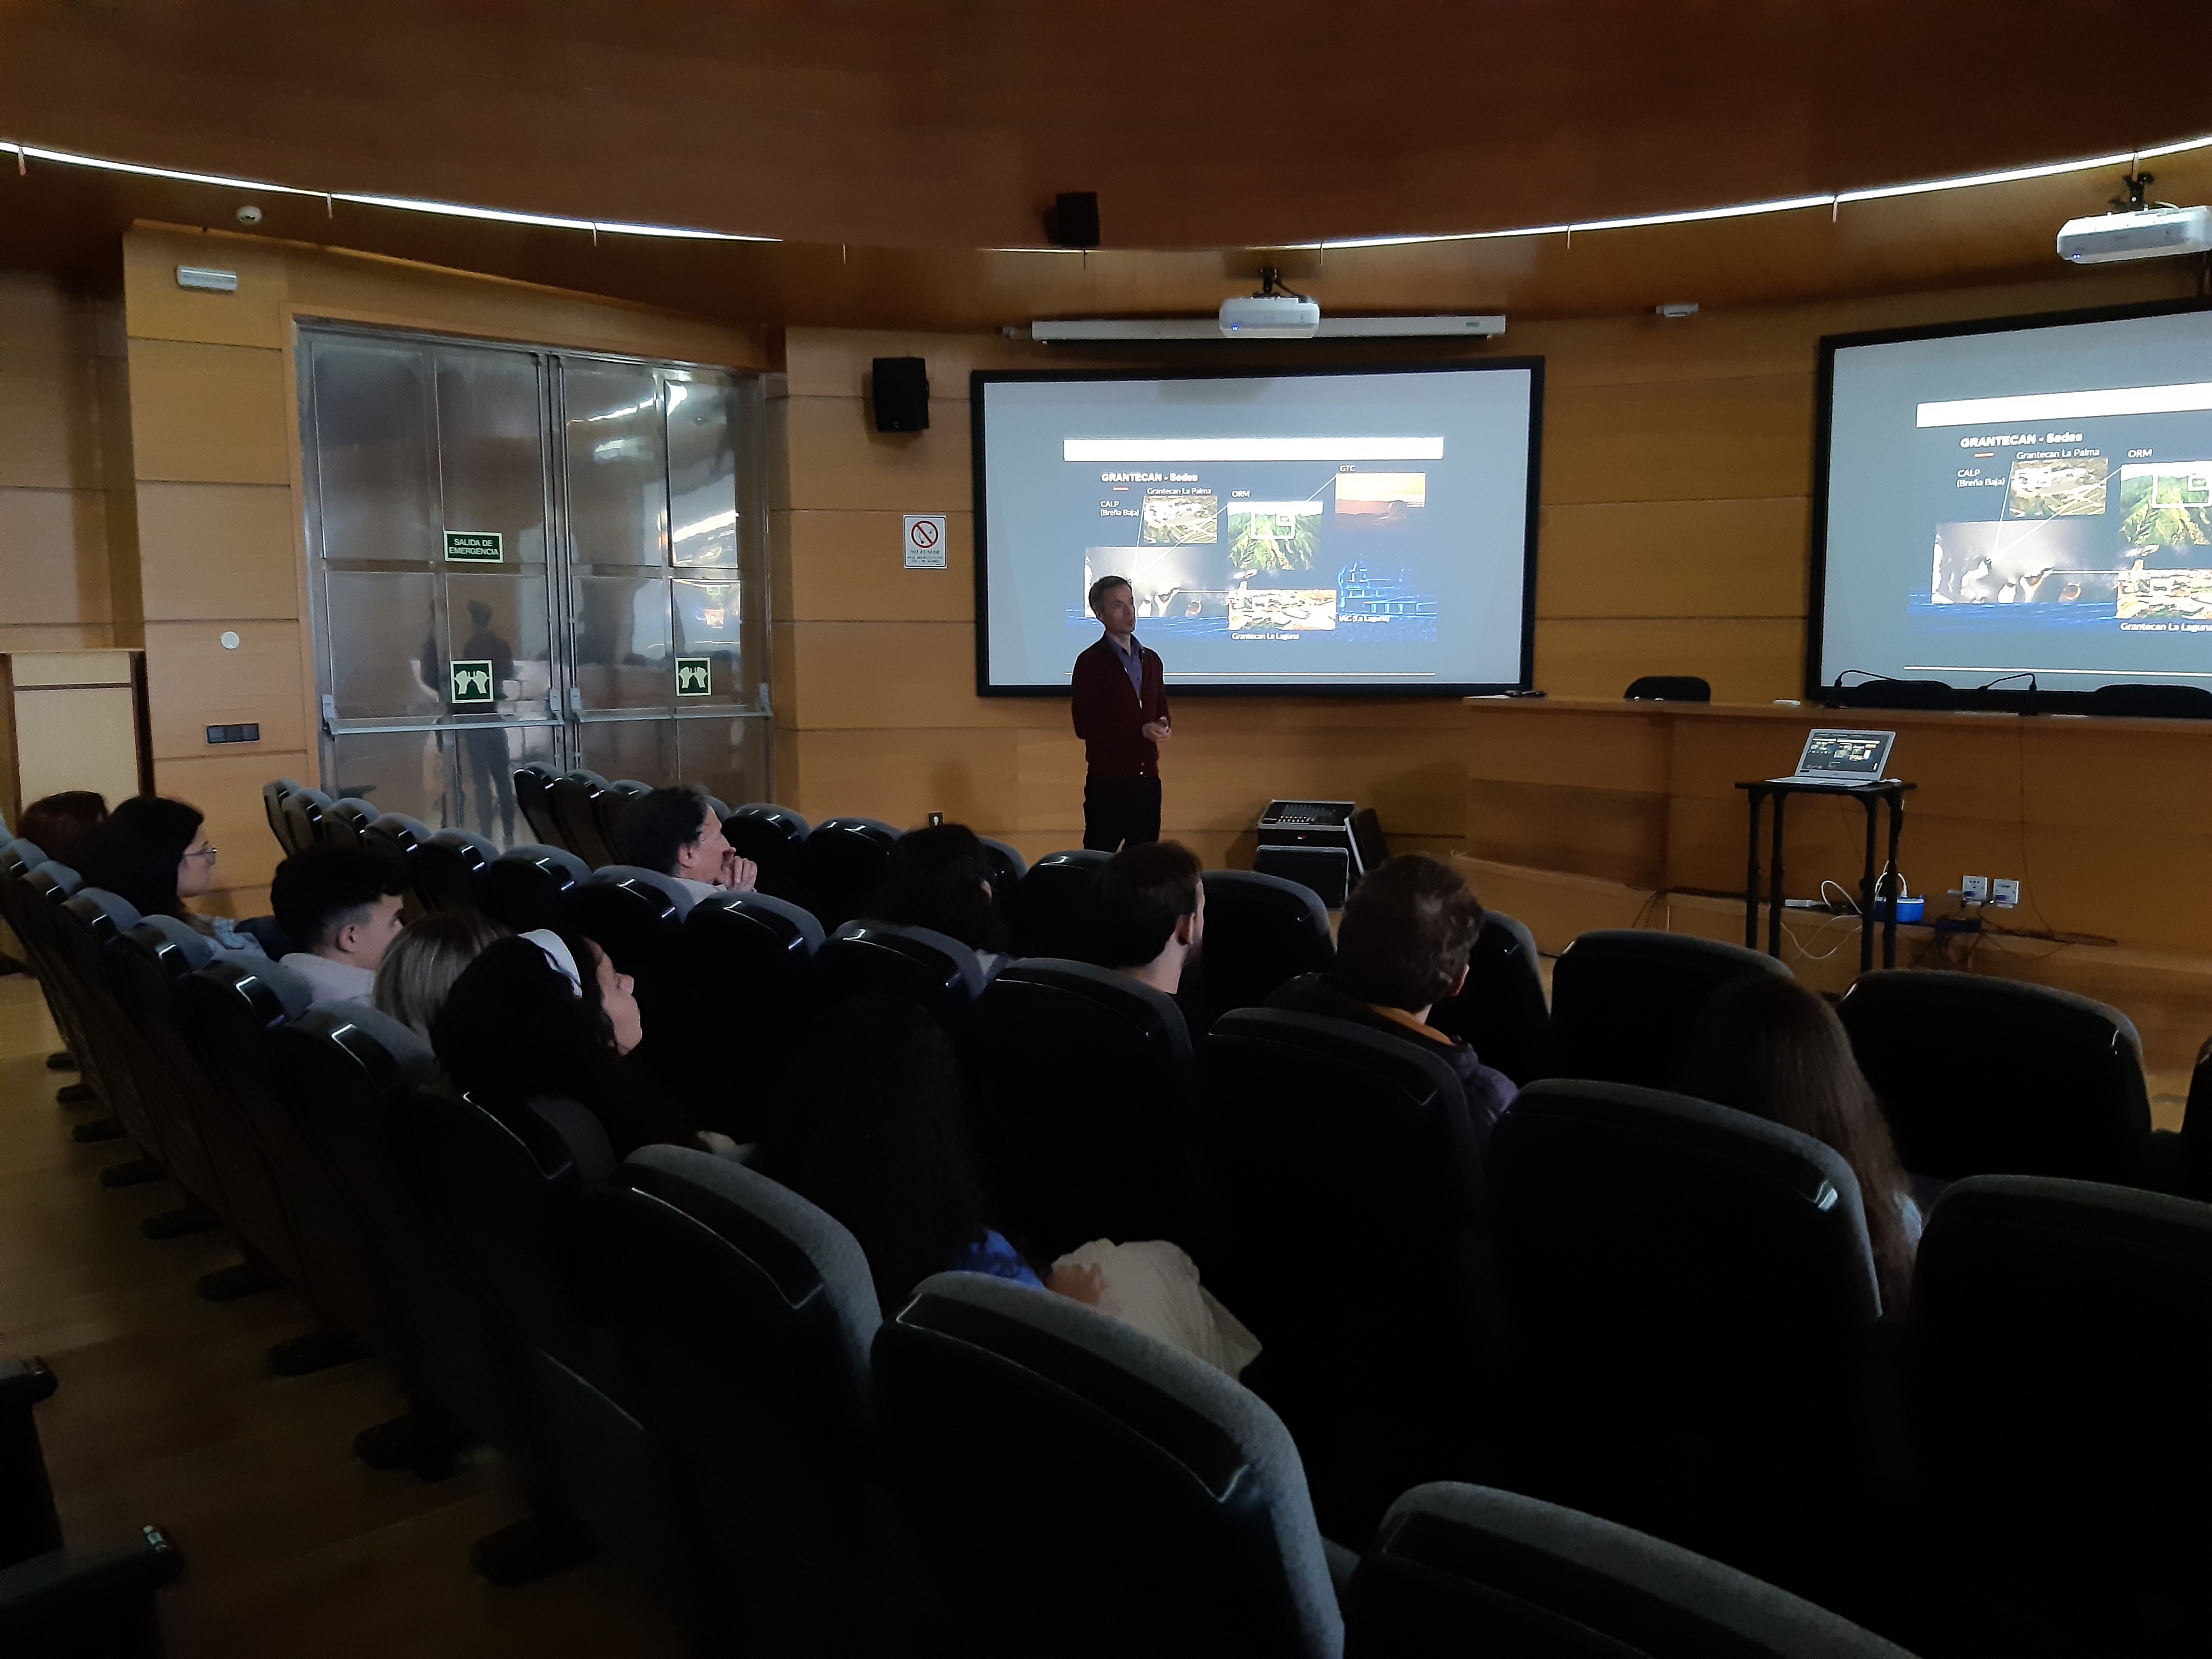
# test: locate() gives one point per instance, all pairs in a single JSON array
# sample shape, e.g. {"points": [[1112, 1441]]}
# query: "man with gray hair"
{"points": [[1121, 708]]}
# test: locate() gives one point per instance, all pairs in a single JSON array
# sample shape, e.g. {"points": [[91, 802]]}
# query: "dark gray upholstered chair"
{"points": [[1052, 917], [748, 978], [1348, 1174], [527, 887], [1469, 1570], [272, 807], [1091, 1127], [533, 794], [303, 809], [745, 1316], [918, 963], [1502, 1014], [2061, 1339], [636, 916], [1259, 931], [449, 867], [347, 821], [610, 805], [1623, 1001], [1668, 688], [1697, 1296], [575, 808], [1986, 1076], [842, 863], [1076, 1488], [771, 836]]}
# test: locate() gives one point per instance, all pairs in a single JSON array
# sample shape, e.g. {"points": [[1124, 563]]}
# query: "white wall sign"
{"points": [[925, 541]]}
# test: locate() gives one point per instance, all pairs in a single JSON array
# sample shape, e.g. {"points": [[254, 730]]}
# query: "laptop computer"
{"points": [[1837, 756]]}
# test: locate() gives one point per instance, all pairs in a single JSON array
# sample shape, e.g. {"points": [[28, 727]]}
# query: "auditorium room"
{"points": [[928, 828]]}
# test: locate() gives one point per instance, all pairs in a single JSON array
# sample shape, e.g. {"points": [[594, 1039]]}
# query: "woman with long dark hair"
{"points": [[1767, 1046], [941, 878], [153, 853]]}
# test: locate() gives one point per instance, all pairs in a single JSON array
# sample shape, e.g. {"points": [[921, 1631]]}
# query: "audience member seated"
{"points": [[1403, 945], [547, 1014], [676, 832], [61, 826], [1150, 905], [340, 907], [417, 972], [870, 1127], [152, 853], [940, 879], [1767, 1046]]}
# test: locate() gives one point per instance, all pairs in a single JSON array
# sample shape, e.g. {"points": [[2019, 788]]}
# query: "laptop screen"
{"points": [[1846, 757]]}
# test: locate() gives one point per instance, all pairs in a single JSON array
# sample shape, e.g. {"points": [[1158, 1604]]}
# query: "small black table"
{"points": [[1869, 795]]}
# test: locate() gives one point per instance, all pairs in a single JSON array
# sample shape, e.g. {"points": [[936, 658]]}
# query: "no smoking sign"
{"points": [[925, 541]]}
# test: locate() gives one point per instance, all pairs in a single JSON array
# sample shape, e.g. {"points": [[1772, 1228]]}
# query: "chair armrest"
{"points": [[23, 1384], [1341, 1562], [72, 1601]]}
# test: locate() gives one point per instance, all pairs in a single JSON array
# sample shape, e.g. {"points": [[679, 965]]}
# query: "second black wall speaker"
{"points": [[901, 394]]}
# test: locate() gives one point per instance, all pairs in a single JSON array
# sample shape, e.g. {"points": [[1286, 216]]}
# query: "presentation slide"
{"points": [[2030, 498], [1366, 529]]}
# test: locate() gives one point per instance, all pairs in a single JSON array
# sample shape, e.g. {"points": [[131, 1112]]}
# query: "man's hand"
{"points": [[738, 875], [1158, 731]]}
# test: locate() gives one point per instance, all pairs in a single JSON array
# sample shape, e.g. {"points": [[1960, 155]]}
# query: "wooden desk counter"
{"points": [[2107, 823]]}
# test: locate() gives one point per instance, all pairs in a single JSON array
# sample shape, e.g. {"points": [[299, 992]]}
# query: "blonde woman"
{"points": [[420, 966]]}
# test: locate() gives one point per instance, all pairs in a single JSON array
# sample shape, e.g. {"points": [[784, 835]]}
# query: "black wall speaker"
{"points": [[1072, 220], [901, 394]]}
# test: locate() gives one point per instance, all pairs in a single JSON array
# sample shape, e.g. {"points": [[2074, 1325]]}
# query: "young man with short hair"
{"points": [[1120, 709], [340, 906], [1150, 904], [1402, 947], [676, 832]]}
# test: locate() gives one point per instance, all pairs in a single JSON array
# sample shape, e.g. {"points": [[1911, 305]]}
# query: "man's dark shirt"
{"points": [[1111, 710]]}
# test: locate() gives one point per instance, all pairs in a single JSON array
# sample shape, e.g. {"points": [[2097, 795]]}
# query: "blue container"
{"points": [[1910, 908]]}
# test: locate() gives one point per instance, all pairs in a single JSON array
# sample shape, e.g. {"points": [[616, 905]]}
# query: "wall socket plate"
{"points": [[2004, 893], [1974, 889]]}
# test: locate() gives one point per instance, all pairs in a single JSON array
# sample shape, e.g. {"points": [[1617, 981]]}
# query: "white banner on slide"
{"points": [[1176, 451], [2068, 405]]}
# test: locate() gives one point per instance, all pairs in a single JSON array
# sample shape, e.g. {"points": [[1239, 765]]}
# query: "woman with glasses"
{"points": [[153, 853]]}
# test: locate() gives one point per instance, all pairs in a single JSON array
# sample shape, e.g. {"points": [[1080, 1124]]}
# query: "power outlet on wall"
{"points": [[2004, 893], [1975, 889]]}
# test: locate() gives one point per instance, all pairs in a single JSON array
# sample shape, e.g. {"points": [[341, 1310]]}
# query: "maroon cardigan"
{"points": [[1109, 716]]}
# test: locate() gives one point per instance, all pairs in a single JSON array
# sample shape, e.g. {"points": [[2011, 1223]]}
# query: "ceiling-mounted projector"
{"points": [[1275, 312], [2137, 229]]}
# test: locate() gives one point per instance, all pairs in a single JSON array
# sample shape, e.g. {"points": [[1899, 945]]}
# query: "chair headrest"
{"points": [[60, 875], [1289, 897], [560, 857], [198, 950], [805, 922], [963, 957], [297, 995], [28, 854], [98, 901], [417, 1065], [1937, 990], [667, 886]]}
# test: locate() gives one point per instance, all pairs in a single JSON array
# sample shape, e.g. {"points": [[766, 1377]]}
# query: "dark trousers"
{"points": [[1120, 812]]}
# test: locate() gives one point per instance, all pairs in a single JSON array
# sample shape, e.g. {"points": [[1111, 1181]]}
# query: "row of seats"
{"points": [[686, 1362]]}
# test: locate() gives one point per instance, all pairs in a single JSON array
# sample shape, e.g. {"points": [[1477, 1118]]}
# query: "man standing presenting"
{"points": [[1121, 715]]}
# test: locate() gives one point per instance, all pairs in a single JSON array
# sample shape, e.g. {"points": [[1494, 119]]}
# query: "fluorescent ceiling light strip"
{"points": [[403, 203], [1180, 450], [2067, 405], [2011, 175], [1792, 205]]}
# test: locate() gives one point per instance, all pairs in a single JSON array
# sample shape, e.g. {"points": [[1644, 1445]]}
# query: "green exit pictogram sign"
{"points": [[474, 546], [695, 677], [472, 682]]}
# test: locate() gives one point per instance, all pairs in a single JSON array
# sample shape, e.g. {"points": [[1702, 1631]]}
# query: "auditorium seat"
{"points": [[1698, 1295], [1349, 1175], [1470, 1569], [507, 1180], [2194, 1164], [745, 1316], [1091, 1126], [448, 867], [272, 807], [880, 959], [1076, 1488], [303, 809], [1668, 688], [346, 821], [226, 1010], [2062, 1349], [1502, 1014], [842, 864], [533, 794], [771, 836], [527, 887], [1623, 1001], [576, 809], [398, 840], [748, 983], [636, 916], [608, 807], [1259, 931], [1985, 1076], [56, 1602], [344, 1070], [40, 891], [1053, 916]]}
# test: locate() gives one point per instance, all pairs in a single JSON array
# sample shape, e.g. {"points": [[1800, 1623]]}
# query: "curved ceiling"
{"points": [[948, 123]]}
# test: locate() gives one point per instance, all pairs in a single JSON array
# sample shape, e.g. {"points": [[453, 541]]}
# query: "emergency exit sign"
{"points": [[474, 546]]}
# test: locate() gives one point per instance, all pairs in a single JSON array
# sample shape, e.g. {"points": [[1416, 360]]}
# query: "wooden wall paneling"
{"points": [[162, 309], [838, 459], [850, 567], [1680, 441], [897, 674], [1701, 558], [825, 363], [1617, 834], [215, 550], [209, 414], [193, 682], [1622, 748], [1746, 659], [972, 776], [119, 477], [54, 556], [49, 420], [226, 788]]}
